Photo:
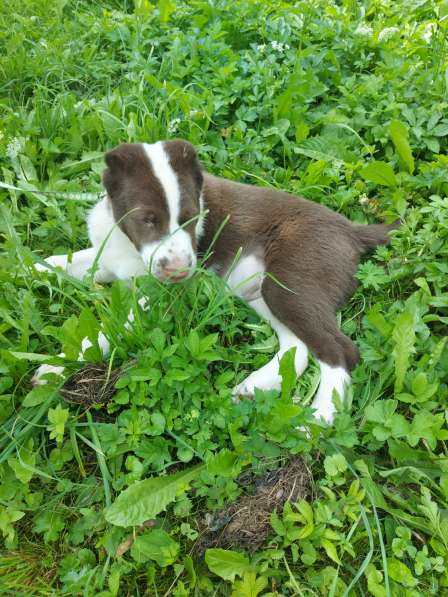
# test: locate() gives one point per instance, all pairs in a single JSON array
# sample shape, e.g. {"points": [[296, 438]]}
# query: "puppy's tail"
{"points": [[371, 235]]}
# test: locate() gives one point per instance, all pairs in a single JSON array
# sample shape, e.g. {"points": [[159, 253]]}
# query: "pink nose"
{"points": [[176, 269]]}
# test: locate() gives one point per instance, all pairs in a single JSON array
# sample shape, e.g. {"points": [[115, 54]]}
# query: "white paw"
{"points": [[324, 410], [55, 261], [332, 380], [43, 370], [266, 378]]}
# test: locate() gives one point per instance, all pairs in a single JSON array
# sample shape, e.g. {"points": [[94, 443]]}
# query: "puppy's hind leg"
{"points": [[268, 377], [308, 314]]}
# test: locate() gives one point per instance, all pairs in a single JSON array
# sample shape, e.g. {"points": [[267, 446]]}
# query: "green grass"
{"points": [[342, 102]]}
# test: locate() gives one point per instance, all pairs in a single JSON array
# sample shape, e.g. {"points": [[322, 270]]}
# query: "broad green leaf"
{"points": [[143, 7], [287, 371], [317, 148], [7, 517], [330, 549], [441, 130], [437, 352], [306, 510], [144, 500], [375, 582], [377, 319], [400, 573], [226, 563], [193, 343], [277, 524], [335, 464], [158, 339], [89, 327], [381, 410], [28, 170], [426, 425], [309, 553], [71, 345], [155, 545], [399, 135], [224, 464], [404, 338], [36, 396], [421, 389], [380, 173], [24, 463], [405, 397], [191, 572], [250, 586], [58, 417], [166, 8]]}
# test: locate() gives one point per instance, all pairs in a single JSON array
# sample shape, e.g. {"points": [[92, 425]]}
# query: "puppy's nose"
{"points": [[176, 268]]}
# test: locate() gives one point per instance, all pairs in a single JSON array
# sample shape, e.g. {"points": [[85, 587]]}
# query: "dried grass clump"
{"points": [[247, 522], [93, 384]]}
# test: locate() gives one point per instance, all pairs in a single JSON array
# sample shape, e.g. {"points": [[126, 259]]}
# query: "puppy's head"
{"points": [[155, 191]]}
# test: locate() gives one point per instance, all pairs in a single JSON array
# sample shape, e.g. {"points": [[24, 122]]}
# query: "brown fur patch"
{"points": [[312, 250]]}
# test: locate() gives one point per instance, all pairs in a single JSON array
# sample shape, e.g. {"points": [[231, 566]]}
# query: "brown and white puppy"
{"points": [[153, 219]]}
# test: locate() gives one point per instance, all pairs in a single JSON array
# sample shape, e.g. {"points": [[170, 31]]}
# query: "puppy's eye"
{"points": [[150, 219]]}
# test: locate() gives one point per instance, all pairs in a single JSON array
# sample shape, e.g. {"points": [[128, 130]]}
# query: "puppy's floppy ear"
{"points": [[120, 158], [180, 151], [112, 159], [183, 157], [121, 161], [188, 150]]}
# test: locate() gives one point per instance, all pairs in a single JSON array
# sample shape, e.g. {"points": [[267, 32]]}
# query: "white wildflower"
{"points": [[298, 20], [363, 199], [363, 30], [173, 125], [428, 32], [13, 148], [279, 46], [387, 33], [43, 43], [261, 47]]}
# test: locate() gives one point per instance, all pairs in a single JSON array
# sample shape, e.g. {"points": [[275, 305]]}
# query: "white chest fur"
{"points": [[246, 276], [118, 256]]}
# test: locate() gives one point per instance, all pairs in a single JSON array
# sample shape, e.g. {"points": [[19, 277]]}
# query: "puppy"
{"points": [[296, 265]]}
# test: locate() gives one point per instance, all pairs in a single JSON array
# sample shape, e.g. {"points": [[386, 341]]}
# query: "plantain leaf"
{"points": [[227, 563], [287, 372], [404, 338], [155, 545], [379, 172], [399, 136], [145, 499]]}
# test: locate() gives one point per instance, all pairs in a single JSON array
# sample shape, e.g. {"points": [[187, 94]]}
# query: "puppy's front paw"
{"points": [[54, 261], [245, 388], [43, 370]]}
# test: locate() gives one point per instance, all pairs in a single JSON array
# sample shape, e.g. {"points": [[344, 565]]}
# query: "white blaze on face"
{"points": [[176, 246]]}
